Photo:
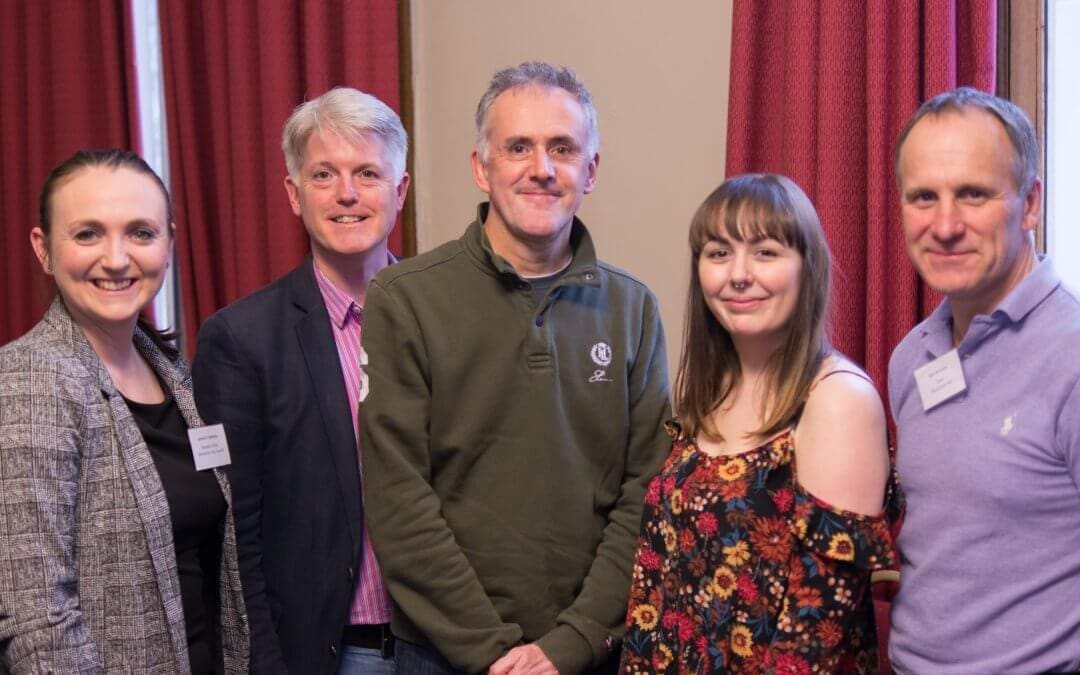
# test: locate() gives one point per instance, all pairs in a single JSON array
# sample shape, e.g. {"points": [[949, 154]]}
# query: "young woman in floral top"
{"points": [[761, 530]]}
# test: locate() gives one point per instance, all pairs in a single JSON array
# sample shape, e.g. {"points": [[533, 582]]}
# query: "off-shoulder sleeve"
{"points": [[826, 620], [842, 536]]}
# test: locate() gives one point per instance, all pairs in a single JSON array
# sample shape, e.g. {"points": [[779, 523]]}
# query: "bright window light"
{"points": [[1063, 139], [153, 133]]}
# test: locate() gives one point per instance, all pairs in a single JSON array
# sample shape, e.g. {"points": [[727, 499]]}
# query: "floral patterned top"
{"points": [[740, 570]]}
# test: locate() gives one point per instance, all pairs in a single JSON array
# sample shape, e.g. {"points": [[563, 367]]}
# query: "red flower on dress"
{"points": [[652, 494], [649, 559], [808, 596], [703, 475], [771, 537], [707, 523], [830, 633], [789, 664], [680, 623], [783, 499], [686, 628], [736, 489], [687, 540], [702, 644], [748, 590]]}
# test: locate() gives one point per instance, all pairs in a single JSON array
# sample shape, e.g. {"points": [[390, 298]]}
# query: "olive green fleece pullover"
{"points": [[506, 449]]}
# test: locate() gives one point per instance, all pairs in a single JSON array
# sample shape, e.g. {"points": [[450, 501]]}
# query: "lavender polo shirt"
{"points": [[990, 575]]}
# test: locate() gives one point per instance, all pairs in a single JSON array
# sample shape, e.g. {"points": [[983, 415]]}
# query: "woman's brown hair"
{"points": [[110, 158], [744, 208]]}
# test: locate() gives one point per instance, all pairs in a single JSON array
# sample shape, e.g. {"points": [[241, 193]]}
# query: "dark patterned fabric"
{"points": [[740, 570], [88, 579]]}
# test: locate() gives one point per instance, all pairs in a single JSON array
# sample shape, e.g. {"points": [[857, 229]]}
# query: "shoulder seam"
{"points": [[608, 267], [412, 266]]}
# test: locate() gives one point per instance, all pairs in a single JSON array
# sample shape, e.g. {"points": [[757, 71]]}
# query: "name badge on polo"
{"points": [[940, 380], [209, 447]]}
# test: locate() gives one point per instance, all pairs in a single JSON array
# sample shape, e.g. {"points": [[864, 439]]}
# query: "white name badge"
{"points": [[209, 447], [940, 380]]}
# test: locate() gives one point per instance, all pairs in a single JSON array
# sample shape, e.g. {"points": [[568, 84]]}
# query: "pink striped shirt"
{"points": [[371, 605]]}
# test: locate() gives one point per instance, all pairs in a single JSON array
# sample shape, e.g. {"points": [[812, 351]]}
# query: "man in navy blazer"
{"points": [[281, 369]]}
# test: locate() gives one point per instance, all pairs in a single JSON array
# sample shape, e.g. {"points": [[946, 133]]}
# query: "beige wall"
{"points": [[658, 72]]}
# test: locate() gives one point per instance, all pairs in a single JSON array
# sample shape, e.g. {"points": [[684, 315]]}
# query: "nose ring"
{"points": [[740, 285]]}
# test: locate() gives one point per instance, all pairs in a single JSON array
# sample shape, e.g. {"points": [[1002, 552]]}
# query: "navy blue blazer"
{"points": [[267, 367]]}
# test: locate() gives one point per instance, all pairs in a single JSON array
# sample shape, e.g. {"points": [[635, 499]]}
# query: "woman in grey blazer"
{"points": [[116, 554]]}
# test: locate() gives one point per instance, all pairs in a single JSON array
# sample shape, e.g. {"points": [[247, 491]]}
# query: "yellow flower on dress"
{"points": [[732, 469], [800, 528], [665, 659], [676, 501], [738, 554], [724, 582], [645, 616], [841, 547], [781, 450], [742, 641], [783, 622]]}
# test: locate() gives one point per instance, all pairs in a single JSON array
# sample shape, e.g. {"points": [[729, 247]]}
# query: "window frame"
{"points": [[1021, 73]]}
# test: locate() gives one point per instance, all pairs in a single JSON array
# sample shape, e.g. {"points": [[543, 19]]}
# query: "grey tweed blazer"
{"points": [[88, 579]]}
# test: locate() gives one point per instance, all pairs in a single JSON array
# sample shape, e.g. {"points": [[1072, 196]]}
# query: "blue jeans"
{"points": [[416, 660], [363, 661]]}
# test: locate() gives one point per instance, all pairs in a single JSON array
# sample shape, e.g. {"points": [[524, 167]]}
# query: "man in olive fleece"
{"points": [[518, 392]]}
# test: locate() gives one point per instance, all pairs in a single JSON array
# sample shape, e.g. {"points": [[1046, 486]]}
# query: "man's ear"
{"points": [[479, 170], [590, 180], [293, 191], [1029, 221], [402, 190]]}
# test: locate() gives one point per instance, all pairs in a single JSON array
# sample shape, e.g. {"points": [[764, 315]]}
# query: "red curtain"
{"points": [[820, 89], [233, 72], [68, 77]]}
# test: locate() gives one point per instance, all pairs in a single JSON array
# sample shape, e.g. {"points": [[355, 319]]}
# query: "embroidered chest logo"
{"points": [[1007, 425], [601, 356]]}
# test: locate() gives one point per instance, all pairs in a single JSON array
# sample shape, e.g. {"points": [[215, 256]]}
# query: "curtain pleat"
{"points": [[68, 77], [819, 91], [233, 72]]}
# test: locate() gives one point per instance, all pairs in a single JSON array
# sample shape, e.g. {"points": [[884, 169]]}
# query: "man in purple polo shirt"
{"points": [[281, 369], [986, 397]]}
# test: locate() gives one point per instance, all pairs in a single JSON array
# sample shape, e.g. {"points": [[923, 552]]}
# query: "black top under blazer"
{"points": [[88, 578]]}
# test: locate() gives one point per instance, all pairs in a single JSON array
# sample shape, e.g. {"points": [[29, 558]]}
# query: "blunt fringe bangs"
{"points": [[748, 208]]}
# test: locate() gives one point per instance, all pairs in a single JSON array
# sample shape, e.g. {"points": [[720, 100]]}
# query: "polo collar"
{"points": [[1029, 293]]}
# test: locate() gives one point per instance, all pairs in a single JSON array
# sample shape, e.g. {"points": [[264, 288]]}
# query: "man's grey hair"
{"points": [[540, 74], [350, 114], [1017, 126]]}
